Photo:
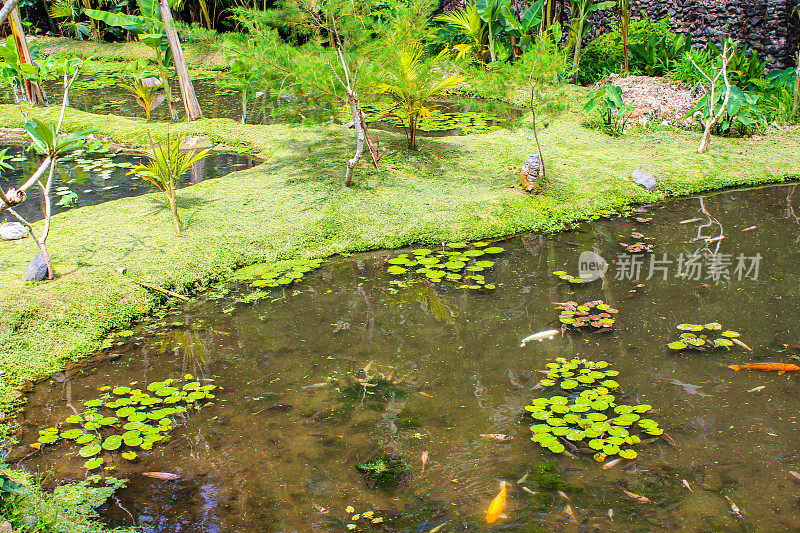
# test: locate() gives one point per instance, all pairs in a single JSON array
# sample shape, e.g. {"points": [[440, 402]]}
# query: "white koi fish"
{"points": [[542, 335]]}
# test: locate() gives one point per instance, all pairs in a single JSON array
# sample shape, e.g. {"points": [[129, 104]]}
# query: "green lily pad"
{"points": [[112, 442], [396, 270], [130, 456], [89, 450], [93, 463]]}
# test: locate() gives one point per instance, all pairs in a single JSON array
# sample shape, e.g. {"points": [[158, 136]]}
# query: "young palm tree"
{"points": [[412, 83], [468, 21], [166, 166]]}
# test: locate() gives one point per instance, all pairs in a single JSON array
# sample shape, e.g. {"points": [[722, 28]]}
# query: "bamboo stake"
{"points": [[193, 111]]}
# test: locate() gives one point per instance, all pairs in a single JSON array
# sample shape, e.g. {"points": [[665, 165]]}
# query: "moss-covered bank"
{"points": [[296, 205]]}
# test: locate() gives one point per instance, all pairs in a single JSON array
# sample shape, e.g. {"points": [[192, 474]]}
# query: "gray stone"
{"points": [[37, 269], [11, 231], [644, 178]]}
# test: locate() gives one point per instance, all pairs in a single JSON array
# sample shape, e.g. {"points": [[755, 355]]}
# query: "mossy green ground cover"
{"points": [[295, 205]]}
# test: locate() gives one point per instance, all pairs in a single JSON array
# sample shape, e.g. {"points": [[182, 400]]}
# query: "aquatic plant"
{"points": [[639, 246], [368, 517], [278, 274], [587, 417], [386, 471], [564, 276], [125, 419], [167, 164], [594, 314], [457, 264], [702, 337]]}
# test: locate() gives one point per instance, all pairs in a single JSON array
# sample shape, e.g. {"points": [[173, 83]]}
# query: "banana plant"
{"points": [[149, 26], [582, 10], [521, 30], [490, 13]]}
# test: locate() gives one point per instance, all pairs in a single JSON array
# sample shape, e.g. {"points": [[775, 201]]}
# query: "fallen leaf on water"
{"points": [[164, 476], [36, 445], [758, 389], [642, 499]]}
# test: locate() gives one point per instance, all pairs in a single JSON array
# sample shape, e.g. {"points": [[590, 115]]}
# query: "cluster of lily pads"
{"points": [[95, 159], [565, 276], [277, 274], [436, 120], [456, 263], [639, 246], [587, 417], [128, 419], [594, 314], [701, 337]]}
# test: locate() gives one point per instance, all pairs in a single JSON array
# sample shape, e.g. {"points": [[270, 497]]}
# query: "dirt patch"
{"points": [[656, 99]]}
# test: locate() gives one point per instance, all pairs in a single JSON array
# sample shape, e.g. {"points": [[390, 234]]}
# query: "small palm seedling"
{"points": [[412, 83], [166, 166], [144, 93]]}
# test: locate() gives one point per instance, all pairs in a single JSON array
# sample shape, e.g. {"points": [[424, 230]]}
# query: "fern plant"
{"points": [[167, 164]]}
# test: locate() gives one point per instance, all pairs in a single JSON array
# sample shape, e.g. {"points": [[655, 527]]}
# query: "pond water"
{"points": [[466, 115], [298, 410], [97, 177]]}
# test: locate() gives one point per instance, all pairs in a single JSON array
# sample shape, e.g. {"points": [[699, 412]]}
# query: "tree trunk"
{"points": [[796, 86], [187, 89], [625, 16], [173, 208], [32, 89], [351, 164]]}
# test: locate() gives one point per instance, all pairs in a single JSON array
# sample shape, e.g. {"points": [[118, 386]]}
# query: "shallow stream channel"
{"points": [[362, 395], [93, 177]]}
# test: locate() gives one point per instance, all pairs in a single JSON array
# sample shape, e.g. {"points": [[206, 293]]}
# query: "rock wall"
{"points": [[770, 26]]}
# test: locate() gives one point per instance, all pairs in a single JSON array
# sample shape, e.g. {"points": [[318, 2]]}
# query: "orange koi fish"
{"points": [[498, 505], [780, 368]]}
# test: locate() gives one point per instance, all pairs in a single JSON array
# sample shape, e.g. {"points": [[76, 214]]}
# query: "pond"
{"points": [[96, 177], [352, 363], [453, 117]]}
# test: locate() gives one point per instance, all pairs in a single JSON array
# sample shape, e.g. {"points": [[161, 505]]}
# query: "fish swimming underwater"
{"points": [[542, 335], [498, 505], [780, 368]]}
